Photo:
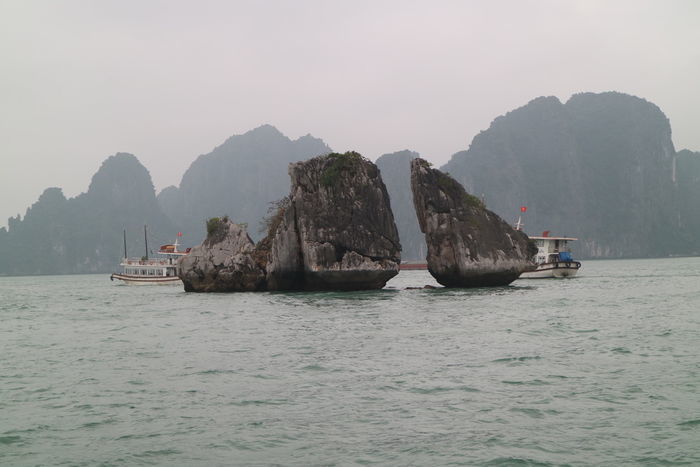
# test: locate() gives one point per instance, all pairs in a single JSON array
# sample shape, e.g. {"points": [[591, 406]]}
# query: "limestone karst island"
{"points": [[621, 188], [327, 233]]}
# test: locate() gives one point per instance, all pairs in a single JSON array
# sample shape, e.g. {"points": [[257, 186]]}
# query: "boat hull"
{"points": [[559, 269], [151, 280]]}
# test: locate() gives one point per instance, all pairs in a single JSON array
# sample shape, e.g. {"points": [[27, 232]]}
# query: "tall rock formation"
{"points": [[84, 234], [337, 228], [396, 173], [239, 178], [599, 167], [335, 231], [468, 245]]}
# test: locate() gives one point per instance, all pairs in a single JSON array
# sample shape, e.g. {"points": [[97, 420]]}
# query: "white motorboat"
{"points": [[553, 255], [553, 258]]}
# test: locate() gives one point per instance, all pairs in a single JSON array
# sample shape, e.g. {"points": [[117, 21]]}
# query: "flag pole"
{"points": [[519, 225]]}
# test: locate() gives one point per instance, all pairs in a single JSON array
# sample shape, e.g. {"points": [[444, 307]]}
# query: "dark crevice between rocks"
{"points": [[301, 278]]}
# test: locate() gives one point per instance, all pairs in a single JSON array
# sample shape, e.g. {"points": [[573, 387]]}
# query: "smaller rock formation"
{"points": [[468, 245], [225, 262]]}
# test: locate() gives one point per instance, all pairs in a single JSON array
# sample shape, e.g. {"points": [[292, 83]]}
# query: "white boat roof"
{"points": [[553, 238]]}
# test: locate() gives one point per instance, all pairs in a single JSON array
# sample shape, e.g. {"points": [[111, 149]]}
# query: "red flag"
{"points": [[523, 208], [179, 234]]}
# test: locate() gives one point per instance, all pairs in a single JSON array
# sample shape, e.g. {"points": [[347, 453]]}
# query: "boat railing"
{"points": [[146, 262]]}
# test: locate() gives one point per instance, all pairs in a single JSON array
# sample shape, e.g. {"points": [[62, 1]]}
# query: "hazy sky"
{"points": [[169, 80]]}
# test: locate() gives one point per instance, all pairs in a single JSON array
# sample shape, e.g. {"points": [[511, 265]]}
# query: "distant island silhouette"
{"points": [[601, 167]]}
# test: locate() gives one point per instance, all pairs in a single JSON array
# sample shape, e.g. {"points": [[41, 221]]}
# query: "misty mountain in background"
{"points": [[600, 167], [85, 234], [688, 202], [240, 179], [396, 173]]}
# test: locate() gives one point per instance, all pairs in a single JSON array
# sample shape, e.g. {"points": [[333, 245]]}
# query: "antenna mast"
{"points": [[125, 244], [519, 225], [145, 237]]}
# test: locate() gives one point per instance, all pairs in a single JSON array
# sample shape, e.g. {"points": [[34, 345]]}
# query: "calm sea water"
{"points": [[603, 369]]}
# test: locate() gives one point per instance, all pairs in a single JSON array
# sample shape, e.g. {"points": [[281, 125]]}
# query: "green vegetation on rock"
{"points": [[339, 163], [217, 230], [452, 187], [215, 224]]}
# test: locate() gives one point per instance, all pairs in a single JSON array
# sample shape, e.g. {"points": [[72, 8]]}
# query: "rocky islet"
{"points": [[468, 245], [336, 231]]}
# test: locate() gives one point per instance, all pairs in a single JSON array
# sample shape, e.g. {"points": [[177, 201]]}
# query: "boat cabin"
{"points": [[151, 267], [552, 249], [160, 270]]}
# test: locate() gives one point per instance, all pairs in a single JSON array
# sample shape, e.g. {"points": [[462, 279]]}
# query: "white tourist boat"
{"points": [[553, 258], [553, 255], [161, 270]]}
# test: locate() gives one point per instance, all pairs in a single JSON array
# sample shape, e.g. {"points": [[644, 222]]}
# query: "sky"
{"points": [[168, 80]]}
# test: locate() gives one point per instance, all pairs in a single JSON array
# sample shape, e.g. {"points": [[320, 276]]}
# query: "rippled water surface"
{"points": [[603, 369]]}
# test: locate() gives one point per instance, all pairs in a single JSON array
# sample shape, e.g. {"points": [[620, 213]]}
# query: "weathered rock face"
{"points": [[225, 262], [468, 245], [285, 268], [336, 231]]}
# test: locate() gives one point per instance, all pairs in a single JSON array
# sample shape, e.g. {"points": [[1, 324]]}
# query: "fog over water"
{"points": [[169, 80]]}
